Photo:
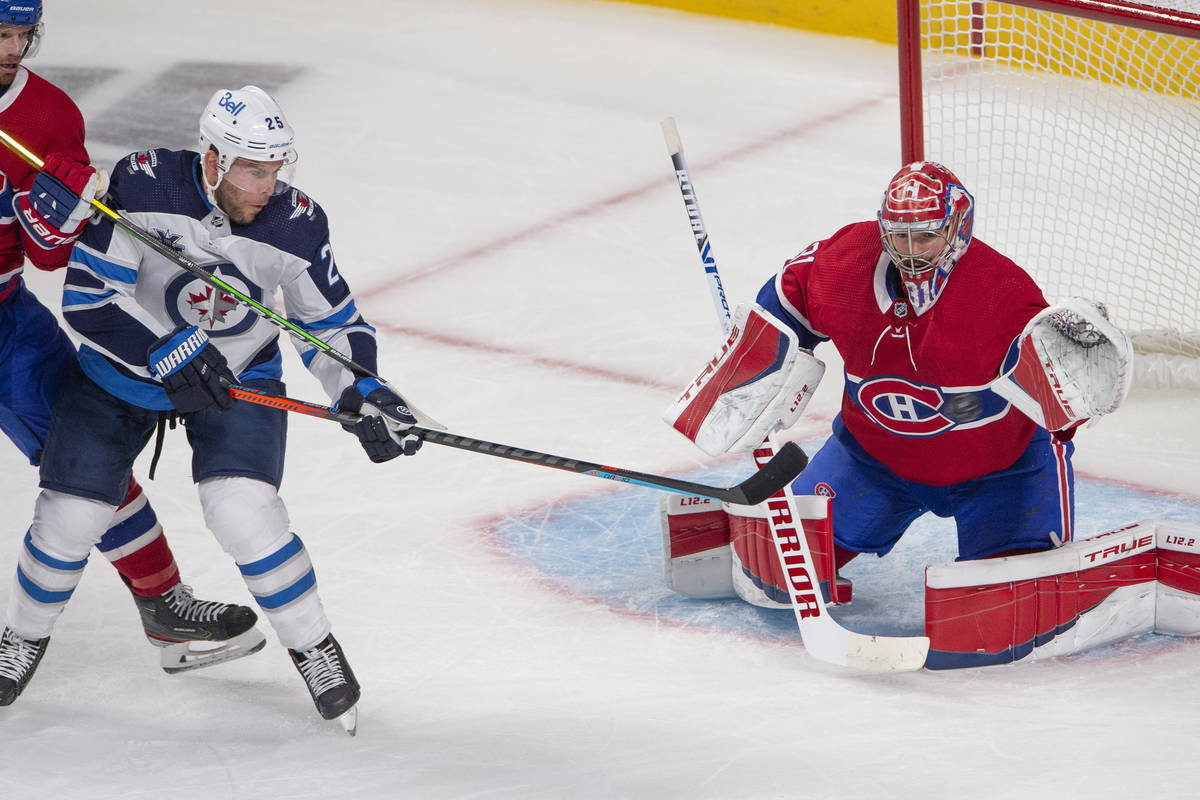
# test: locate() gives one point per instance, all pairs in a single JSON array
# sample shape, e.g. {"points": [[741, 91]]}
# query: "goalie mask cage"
{"points": [[1076, 124]]}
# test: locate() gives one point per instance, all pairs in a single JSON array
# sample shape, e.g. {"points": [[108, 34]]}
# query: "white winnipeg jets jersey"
{"points": [[120, 296]]}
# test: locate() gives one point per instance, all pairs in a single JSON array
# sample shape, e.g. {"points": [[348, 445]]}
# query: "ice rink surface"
{"points": [[502, 202]]}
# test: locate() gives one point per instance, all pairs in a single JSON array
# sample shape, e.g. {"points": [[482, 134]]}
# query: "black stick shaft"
{"points": [[782, 468]]}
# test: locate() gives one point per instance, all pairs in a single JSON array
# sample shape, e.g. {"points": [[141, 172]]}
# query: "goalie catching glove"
{"points": [[760, 381], [1068, 365], [384, 428]]}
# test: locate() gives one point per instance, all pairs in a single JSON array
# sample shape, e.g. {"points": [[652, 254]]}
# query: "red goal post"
{"points": [[1076, 124]]}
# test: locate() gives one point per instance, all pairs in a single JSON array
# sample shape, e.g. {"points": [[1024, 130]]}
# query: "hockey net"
{"points": [[1074, 123]]}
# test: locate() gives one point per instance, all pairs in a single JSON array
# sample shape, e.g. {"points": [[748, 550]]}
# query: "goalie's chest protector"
{"points": [[916, 395]]}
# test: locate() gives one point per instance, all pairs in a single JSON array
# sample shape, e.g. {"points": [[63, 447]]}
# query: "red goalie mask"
{"points": [[925, 222]]}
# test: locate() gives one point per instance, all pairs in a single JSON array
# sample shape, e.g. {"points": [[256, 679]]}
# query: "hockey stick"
{"points": [[119, 219], [779, 471], [823, 636]]}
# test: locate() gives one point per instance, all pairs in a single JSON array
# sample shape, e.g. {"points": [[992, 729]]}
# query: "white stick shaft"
{"points": [[715, 287]]}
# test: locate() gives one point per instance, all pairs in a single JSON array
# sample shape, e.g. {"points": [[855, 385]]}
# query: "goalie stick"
{"points": [[779, 471], [823, 636]]}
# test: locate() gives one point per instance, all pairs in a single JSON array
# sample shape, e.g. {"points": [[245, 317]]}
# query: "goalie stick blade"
{"points": [[886, 653], [826, 640], [787, 463]]}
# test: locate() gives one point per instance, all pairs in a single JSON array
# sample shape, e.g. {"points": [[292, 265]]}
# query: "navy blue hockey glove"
{"points": [[384, 429], [193, 372]]}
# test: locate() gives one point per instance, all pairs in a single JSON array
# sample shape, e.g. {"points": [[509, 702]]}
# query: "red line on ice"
{"points": [[442, 265]]}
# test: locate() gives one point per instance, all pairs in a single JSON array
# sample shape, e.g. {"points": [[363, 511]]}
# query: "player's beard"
{"points": [[241, 207], [7, 78]]}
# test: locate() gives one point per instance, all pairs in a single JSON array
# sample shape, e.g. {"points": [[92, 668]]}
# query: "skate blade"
{"points": [[349, 720], [185, 656]]}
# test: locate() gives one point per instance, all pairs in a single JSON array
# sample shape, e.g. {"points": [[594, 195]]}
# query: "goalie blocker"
{"points": [[758, 382]]}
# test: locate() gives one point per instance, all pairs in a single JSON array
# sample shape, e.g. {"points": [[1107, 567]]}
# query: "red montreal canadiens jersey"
{"points": [[40, 116], [915, 395]]}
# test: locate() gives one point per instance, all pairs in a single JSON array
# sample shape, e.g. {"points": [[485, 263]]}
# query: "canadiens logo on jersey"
{"points": [[191, 301], [143, 161], [301, 205], [913, 409]]}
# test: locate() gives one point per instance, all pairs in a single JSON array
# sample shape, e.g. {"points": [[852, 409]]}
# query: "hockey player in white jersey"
{"points": [[157, 341]]}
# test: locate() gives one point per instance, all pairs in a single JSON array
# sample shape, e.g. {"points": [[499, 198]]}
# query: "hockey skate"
{"points": [[197, 633], [330, 681], [19, 659]]}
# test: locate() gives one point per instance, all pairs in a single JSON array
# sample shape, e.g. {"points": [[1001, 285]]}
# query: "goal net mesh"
{"points": [[1080, 140]]}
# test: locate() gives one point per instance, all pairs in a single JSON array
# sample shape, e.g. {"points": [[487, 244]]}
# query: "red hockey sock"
{"points": [[137, 547]]}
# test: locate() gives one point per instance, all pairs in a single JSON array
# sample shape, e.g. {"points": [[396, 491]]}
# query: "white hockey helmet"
{"points": [[247, 123]]}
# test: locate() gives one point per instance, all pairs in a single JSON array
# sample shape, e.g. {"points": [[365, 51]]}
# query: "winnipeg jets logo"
{"points": [[192, 301], [211, 306], [143, 161], [171, 240], [301, 205]]}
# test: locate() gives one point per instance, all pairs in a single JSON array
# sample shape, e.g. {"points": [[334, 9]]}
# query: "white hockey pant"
{"points": [[64, 530], [250, 522]]}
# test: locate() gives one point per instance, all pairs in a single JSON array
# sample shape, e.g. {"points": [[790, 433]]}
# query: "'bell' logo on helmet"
{"points": [[226, 102]]}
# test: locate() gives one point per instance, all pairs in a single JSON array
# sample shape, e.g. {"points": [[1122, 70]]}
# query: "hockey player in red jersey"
{"points": [[962, 387], [47, 210]]}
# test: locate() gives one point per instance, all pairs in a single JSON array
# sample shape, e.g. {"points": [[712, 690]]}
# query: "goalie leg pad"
{"points": [[757, 576], [1138, 579], [698, 561], [1178, 610]]}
